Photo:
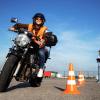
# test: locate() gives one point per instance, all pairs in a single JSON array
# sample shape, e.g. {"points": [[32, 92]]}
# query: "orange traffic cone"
{"points": [[83, 80], [80, 79], [71, 87]]}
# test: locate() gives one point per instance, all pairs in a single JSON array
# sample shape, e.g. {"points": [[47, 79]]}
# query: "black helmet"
{"points": [[40, 15]]}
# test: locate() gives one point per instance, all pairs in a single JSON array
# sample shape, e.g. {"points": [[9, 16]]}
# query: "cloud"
{"points": [[74, 48]]}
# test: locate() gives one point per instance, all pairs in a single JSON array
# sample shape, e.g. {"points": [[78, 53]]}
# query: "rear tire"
{"points": [[7, 72]]}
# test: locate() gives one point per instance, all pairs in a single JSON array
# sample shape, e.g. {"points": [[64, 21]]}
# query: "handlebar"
{"points": [[9, 29], [22, 30]]}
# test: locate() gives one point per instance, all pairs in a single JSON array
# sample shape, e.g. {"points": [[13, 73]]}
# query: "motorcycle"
{"points": [[22, 61]]}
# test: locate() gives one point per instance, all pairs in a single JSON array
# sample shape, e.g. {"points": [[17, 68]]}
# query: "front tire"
{"points": [[35, 81], [7, 72]]}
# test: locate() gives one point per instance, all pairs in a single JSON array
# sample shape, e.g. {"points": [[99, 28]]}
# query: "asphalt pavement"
{"points": [[50, 89]]}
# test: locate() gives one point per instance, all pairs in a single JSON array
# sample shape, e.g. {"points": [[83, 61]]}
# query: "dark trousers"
{"points": [[41, 57]]}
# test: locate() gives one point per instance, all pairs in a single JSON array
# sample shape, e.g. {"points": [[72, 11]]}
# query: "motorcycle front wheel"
{"points": [[7, 72], [35, 81]]}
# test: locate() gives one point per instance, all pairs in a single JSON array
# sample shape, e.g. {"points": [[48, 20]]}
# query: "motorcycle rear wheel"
{"points": [[7, 72]]}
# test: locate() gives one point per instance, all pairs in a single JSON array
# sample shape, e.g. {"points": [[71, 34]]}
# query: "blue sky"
{"points": [[75, 22]]}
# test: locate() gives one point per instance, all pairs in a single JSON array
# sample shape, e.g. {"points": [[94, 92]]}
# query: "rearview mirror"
{"points": [[14, 20]]}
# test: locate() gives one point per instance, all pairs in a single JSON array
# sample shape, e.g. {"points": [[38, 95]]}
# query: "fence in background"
{"points": [[87, 74]]}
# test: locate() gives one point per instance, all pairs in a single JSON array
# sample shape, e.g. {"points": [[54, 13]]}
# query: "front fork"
{"points": [[20, 64]]}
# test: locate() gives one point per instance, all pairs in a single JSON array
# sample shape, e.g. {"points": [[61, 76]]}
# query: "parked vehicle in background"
{"points": [[50, 74], [47, 74]]}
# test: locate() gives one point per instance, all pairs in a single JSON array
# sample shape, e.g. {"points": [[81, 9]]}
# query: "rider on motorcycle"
{"points": [[38, 29]]}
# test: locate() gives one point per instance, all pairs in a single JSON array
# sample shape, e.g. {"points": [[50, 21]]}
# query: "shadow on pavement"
{"points": [[20, 85], [59, 88]]}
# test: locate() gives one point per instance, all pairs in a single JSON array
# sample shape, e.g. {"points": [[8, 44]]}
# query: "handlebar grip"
{"points": [[9, 29]]}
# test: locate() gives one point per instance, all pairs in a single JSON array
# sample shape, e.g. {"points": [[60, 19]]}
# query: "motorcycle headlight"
{"points": [[22, 40]]}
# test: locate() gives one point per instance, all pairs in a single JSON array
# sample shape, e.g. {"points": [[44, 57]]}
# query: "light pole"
{"points": [[98, 61]]}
